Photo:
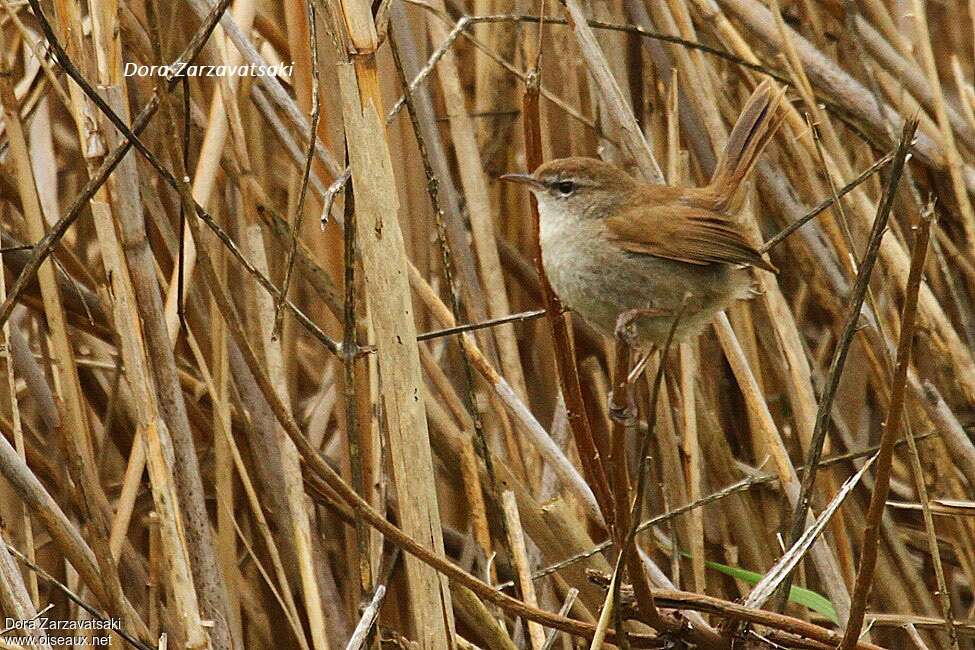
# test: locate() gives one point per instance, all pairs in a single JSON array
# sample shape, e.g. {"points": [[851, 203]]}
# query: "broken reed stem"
{"points": [[385, 280], [565, 364], [858, 295], [519, 558], [470, 397], [570, 599], [355, 429], [889, 428], [369, 615]]}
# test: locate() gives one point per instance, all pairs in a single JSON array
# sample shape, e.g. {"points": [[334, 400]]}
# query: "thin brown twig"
{"points": [[181, 256], [520, 317], [889, 427], [638, 31], [289, 265], [923, 236], [858, 295], [464, 23], [628, 552], [825, 204]]}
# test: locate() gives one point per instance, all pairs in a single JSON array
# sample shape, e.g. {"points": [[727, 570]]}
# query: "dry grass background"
{"points": [[355, 466]]}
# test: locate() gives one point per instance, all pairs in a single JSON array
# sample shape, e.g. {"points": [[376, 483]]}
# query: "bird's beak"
{"points": [[524, 179]]}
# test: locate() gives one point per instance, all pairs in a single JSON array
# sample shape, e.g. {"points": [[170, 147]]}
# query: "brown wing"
{"points": [[683, 233]]}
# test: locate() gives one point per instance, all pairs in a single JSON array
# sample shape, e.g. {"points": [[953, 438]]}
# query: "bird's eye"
{"points": [[565, 188]]}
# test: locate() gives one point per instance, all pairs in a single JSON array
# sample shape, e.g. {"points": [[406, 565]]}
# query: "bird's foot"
{"points": [[625, 330], [625, 413]]}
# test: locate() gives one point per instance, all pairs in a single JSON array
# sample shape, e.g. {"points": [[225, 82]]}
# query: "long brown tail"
{"points": [[754, 129]]}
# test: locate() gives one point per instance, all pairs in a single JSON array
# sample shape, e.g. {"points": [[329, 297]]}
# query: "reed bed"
{"points": [[280, 369]]}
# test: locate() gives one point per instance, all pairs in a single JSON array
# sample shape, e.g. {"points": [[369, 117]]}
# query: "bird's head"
{"points": [[585, 187]]}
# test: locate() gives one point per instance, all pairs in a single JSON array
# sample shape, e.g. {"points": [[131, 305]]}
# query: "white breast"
{"points": [[552, 221], [571, 250]]}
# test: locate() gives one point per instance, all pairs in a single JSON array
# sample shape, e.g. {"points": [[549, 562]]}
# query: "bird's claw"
{"points": [[625, 414], [625, 330]]}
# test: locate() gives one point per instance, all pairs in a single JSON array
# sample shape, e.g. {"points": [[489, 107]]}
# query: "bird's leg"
{"points": [[621, 408], [625, 330]]}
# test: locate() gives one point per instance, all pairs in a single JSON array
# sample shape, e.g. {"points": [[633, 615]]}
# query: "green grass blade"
{"points": [[799, 595]]}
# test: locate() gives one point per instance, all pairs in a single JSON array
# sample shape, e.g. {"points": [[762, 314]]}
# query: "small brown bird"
{"points": [[619, 251]]}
